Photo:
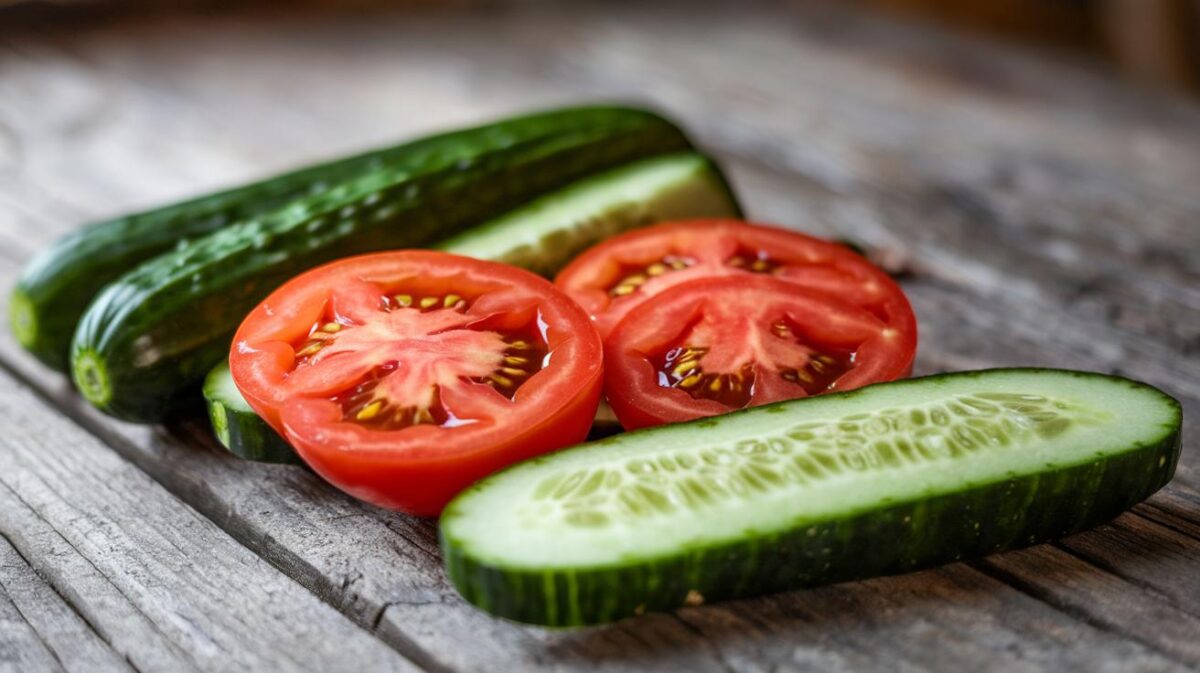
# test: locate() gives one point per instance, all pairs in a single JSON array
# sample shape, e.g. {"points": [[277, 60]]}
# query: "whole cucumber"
{"points": [[154, 333], [57, 286]]}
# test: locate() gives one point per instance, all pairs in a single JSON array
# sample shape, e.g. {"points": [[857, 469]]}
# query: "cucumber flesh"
{"points": [[545, 234], [237, 427], [541, 236], [881, 480]]}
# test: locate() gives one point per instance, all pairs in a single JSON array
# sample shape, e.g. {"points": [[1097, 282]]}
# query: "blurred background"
{"points": [[1150, 41]]}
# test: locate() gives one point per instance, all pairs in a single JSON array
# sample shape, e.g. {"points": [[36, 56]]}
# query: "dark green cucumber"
{"points": [[58, 285], [237, 427], [156, 331], [882, 480], [542, 236]]}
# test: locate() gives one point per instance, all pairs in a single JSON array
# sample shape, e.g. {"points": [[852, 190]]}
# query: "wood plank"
{"points": [[380, 568], [20, 647], [165, 587], [39, 631], [947, 619], [1146, 606]]}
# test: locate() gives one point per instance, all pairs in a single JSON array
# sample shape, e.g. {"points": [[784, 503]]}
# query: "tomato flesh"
{"points": [[402, 377], [613, 278], [714, 345]]}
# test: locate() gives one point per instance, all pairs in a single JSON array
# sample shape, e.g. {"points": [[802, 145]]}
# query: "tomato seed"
{"points": [[310, 348], [370, 411]]}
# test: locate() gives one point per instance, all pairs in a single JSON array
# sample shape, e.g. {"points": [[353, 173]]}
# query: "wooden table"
{"points": [[1041, 213]]}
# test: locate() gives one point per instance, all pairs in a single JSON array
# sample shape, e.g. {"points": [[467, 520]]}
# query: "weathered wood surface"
{"points": [[41, 631], [1045, 215], [164, 586]]}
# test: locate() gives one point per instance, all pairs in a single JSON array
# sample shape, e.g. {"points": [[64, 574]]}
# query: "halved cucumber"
{"points": [[545, 234], [881, 480], [236, 425], [541, 236]]}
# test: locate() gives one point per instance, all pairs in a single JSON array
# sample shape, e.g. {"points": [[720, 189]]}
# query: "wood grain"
{"points": [[163, 586], [39, 631], [1044, 214]]}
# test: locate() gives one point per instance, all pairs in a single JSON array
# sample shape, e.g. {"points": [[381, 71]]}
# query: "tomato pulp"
{"points": [[402, 377]]}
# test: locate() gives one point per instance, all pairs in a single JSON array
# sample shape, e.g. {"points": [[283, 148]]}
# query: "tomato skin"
{"points": [[420, 466], [635, 388]]}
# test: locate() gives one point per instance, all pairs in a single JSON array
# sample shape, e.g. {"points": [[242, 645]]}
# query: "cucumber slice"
{"points": [[541, 236], [546, 233], [881, 480], [236, 425]]}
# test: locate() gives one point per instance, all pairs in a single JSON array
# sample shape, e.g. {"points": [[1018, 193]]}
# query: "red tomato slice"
{"points": [[402, 377], [713, 345], [612, 278]]}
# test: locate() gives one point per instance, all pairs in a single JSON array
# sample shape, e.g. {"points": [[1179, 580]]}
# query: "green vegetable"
{"points": [[156, 331], [542, 236], [58, 285], [236, 425], [881, 480], [545, 234]]}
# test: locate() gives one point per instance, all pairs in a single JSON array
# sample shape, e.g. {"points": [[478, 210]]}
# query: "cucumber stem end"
{"points": [[23, 318], [91, 378]]}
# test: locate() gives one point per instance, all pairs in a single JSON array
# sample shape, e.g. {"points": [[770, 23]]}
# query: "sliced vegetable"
{"points": [[237, 427], [158, 330], [882, 480], [539, 236], [58, 285], [545, 234], [713, 345], [402, 377], [610, 279]]}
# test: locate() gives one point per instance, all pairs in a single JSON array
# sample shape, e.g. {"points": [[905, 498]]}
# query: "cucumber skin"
{"points": [[869, 544], [250, 438], [186, 304], [57, 286]]}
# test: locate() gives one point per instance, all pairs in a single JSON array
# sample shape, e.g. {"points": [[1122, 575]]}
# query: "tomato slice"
{"points": [[402, 377], [713, 345], [612, 278]]}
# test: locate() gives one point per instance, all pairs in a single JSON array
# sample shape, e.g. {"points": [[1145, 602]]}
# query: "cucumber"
{"points": [[545, 234], [154, 333], [542, 235], [237, 427], [881, 480], [58, 285]]}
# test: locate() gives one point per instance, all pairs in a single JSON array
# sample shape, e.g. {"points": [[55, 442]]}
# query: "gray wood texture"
{"points": [[164, 586], [41, 630], [1042, 214]]}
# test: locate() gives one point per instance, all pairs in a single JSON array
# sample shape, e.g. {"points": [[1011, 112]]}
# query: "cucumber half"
{"points": [[236, 425], [545, 234], [541, 236], [882, 480]]}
